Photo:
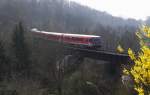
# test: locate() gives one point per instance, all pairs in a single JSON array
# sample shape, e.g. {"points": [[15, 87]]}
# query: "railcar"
{"points": [[82, 40], [86, 41]]}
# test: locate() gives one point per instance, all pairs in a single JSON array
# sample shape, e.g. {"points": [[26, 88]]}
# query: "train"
{"points": [[78, 40]]}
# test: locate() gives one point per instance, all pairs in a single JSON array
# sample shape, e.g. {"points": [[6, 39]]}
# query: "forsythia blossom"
{"points": [[140, 71], [120, 49]]}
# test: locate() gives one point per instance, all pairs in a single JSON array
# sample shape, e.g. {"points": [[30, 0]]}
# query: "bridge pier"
{"points": [[67, 65]]}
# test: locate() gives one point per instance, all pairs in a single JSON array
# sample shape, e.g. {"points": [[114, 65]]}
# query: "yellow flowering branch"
{"points": [[140, 71]]}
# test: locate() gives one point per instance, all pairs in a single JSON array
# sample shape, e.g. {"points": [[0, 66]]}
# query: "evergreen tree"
{"points": [[21, 51], [4, 63]]}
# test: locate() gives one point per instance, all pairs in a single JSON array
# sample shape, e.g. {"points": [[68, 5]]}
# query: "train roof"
{"points": [[53, 33], [66, 34], [81, 35]]}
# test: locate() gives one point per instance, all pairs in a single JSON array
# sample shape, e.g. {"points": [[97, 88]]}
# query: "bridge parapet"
{"points": [[100, 55]]}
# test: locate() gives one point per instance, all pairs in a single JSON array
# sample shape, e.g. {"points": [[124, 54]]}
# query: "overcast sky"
{"points": [[138, 9]]}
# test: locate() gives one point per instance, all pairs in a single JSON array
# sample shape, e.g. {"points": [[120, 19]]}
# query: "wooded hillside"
{"points": [[29, 65]]}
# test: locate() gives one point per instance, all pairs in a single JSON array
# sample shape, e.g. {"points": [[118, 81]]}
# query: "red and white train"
{"points": [[91, 41]]}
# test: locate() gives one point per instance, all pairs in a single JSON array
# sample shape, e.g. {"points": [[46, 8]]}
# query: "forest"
{"points": [[29, 65]]}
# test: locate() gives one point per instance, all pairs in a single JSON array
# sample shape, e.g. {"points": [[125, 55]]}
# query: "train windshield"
{"points": [[96, 41]]}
